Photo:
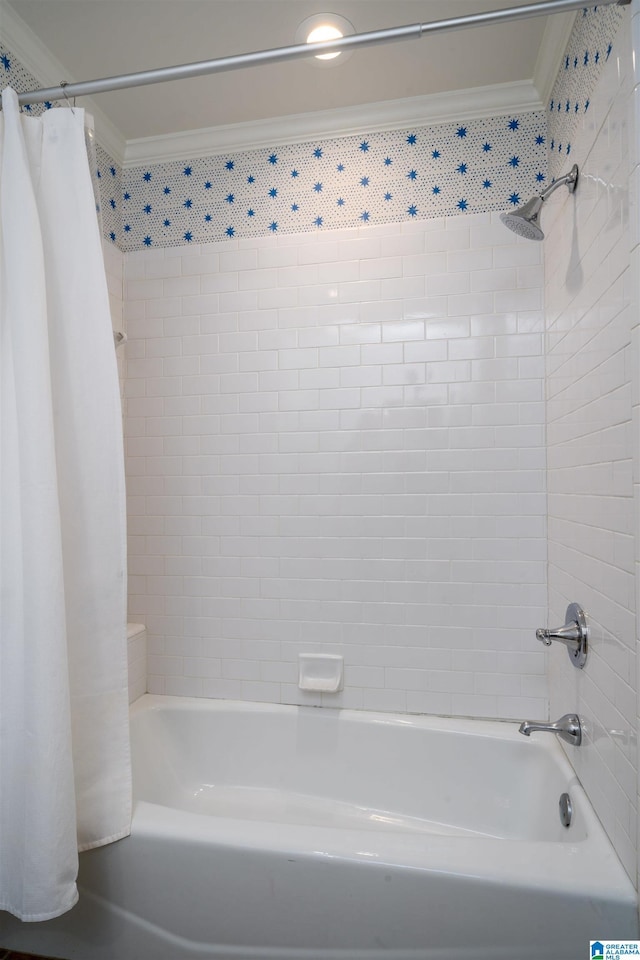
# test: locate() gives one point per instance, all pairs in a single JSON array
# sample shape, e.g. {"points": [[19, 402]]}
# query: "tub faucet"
{"points": [[568, 728]]}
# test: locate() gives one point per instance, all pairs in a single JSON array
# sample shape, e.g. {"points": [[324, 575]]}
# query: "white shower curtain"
{"points": [[65, 780]]}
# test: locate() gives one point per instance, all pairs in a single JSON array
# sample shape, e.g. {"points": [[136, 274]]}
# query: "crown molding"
{"points": [[456, 105], [552, 49], [39, 61]]}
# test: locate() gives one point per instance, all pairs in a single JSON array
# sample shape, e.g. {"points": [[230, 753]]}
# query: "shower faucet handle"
{"points": [[574, 634], [569, 634]]}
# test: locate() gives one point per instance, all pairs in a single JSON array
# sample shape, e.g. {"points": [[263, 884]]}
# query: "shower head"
{"points": [[525, 221]]}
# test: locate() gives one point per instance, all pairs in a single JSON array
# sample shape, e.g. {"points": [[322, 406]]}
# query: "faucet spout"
{"points": [[568, 728]]}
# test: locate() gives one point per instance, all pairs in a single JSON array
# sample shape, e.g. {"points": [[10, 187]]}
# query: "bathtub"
{"points": [[280, 832]]}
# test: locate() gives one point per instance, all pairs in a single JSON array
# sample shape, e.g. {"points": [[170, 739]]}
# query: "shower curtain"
{"points": [[64, 742]]}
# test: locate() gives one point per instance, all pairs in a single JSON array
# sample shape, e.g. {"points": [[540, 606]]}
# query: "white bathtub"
{"points": [[280, 832]]}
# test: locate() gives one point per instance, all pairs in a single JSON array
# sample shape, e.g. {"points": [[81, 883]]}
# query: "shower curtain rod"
{"points": [[279, 54]]}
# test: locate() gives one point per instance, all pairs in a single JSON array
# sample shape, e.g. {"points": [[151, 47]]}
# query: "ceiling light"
{"points": [[323, 27], [326, 31]]}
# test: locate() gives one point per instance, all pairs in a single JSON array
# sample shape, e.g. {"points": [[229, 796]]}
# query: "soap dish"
{"points": [[320, 672]]}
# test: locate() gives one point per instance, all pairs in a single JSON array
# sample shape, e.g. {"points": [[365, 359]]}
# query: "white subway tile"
{"points": [[515, 300], [243, 300], [425, 350], [340, 272], [298, 276], [424, 265], [163, 307], [463, 261], [402, 288], [143, 289], [382, 353], [470, 303], [238, 260], [401, 246], [313, 473], [438, 285], [218, 283], [519, 345], [471, 348], [359, 291], [360, 249], [272, 256], [319, 252], [445, 329], [407, 330], [339, 356], [273, 299], [263, 279], [258, 360]]}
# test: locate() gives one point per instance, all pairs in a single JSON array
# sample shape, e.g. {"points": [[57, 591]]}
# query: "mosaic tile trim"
{"points": [[435, 171], [13, 74], [108, 175], [589, 48], [108, 186]]}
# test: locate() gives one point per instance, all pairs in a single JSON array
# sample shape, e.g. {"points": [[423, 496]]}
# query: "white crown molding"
{"points": [[38, 60], [552, 49], [472, 104]]}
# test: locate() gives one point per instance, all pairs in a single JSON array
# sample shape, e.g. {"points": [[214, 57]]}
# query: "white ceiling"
{"points": [[96, 38]]}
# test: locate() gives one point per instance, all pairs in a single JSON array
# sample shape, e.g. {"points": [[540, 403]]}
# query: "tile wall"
{"points": [[336, 444], [114, 269], [136, 633], [634, 272], [589, 408], [587, 53]]}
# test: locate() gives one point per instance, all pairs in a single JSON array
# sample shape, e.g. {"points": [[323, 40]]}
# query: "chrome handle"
{"points": [[574, 634], [570, 635]]}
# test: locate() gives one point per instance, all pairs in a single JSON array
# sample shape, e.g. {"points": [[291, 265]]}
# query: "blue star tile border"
{"points": [[590, 47], [392, 176], [108, 175]]}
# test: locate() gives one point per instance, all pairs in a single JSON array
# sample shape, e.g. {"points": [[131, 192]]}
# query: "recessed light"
{"points": [[321, 27], [326, 31]]}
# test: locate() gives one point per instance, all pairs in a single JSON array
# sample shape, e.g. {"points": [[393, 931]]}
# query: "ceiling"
{"points": [[96, 38]]}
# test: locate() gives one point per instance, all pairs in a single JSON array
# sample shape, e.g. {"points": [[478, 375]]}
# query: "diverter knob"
{"points": [[574, 634]]}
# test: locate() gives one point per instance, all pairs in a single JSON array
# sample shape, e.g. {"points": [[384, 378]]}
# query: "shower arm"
{"points": [[66, 90], [569, 179]]}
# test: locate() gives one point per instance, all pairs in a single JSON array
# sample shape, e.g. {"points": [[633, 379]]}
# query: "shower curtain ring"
{"points": [[63, 84]]}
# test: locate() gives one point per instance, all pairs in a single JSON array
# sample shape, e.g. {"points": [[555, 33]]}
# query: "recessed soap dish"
{"points": [[320, 672]]}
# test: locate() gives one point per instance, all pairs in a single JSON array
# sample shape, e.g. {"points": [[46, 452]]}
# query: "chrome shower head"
{"points": [[525, 221]]}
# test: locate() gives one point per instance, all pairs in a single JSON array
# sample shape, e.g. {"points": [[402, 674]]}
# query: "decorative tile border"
{"points": [[13, 74], [440, 170], [108, 174], [588, 50]]}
